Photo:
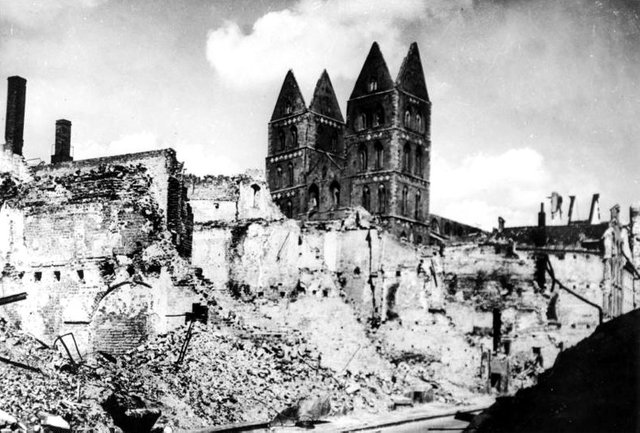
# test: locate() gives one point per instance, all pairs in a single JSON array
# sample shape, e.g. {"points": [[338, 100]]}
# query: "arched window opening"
{"points": [[290, 174], [406, 158], [362, 121], [435, 227], [379, 155], [362, 157], [294, 136], [407, 119], [256, 195], [378, 116], [419, 239], [403, 202], [418, 125], [447, 228], [288, 108], [382, 199], [335, 194], [416, 211], [289, 209], [418, 168], [373, 84], [366, 197], [281, 140], [279, 177], [314, 197]]}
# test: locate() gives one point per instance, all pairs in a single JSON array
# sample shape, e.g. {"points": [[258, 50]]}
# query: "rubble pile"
{"points": [[38, 383], [225, 377], [232, 377]]}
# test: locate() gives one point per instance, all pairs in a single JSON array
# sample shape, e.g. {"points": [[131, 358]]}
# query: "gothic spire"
{"points": [[324, 99], [411, 76], [290, 100], [374, 76]]}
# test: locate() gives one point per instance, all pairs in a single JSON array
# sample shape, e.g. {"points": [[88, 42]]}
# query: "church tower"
{"points": [[306, 148], [388, 144], [318, 165]]}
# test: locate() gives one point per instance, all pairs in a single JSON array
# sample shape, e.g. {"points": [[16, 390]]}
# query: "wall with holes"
{"points": [[76, 229], [230, 198], [282, 259], [113, 317]]}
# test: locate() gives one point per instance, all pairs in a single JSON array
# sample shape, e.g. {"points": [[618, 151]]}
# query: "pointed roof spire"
{"points": [[290, 100], [411, 76], [374, 76], [324, 99]]}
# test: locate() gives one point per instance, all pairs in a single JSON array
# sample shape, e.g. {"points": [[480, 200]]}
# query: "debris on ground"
{"points": [[244, 365]]}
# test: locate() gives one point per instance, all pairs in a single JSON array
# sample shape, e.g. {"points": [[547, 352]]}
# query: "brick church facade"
{"points": [[318, 164]]}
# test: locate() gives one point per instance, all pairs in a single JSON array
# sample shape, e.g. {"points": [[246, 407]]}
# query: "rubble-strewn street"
{"points": [[278, 216], [232, 372]]}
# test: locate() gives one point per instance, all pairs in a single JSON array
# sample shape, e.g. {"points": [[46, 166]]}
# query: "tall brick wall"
{"points": [[148, 184], [77, 229]]}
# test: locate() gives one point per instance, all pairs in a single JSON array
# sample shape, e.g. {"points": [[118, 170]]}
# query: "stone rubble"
{"points": [[33, 399], [232, 372]]}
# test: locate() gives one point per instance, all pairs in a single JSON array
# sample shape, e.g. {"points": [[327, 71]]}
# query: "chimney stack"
{"points": [[542, 216], [62, 151], [14, 126]]}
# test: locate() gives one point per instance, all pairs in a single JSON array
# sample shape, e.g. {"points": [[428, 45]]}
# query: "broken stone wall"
{"points": [[252, 259], [159, 166], [279, 259], [80, 228], [112, 317], [231, 198], [155, 177]]}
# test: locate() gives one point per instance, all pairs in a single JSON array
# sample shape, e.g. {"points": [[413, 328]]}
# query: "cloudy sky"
{"points": [[529, 97]]}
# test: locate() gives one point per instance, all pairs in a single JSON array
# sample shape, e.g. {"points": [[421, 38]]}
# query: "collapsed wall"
{"points": [[414, 302], [94, 245], [231, 198]]}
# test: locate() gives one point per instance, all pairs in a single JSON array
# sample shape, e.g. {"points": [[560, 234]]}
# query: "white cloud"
{"points": [[482, 187], [32, 13], [312, 36]]}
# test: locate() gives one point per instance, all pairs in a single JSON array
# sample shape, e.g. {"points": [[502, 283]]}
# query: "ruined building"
{"points": [[73, 235], [318, 164], [596, 260]]}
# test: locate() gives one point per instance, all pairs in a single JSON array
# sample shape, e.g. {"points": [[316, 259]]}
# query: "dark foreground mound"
{"points": [[592, 387]]}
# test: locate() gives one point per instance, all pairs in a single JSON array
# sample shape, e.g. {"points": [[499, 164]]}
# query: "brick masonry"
{"points": [[73, 237]]}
